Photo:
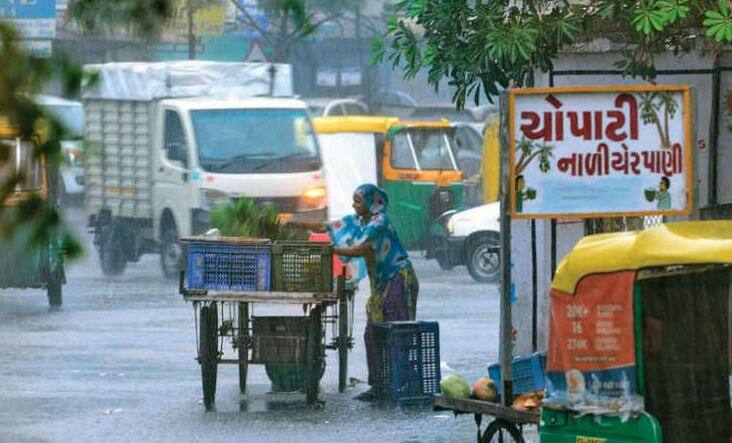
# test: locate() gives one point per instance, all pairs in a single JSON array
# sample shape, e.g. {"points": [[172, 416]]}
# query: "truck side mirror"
{"points": [[177, 152]]}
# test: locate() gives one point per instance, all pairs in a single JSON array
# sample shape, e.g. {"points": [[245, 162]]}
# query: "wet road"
{"points": [[117, 364]]}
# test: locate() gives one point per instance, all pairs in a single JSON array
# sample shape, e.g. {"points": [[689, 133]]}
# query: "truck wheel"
{"points": [[171, 255], [484, 261], [111, 255]]}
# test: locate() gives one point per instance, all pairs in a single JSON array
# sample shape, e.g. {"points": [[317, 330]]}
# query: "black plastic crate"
{"points": [[408, 356], [302, 267]]}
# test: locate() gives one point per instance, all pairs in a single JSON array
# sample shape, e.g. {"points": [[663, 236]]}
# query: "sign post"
{"points": [[590, 152]]}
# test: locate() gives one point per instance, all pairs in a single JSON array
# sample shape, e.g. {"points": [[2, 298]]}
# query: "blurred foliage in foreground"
{"points": [[242, 218], [23, 77]]}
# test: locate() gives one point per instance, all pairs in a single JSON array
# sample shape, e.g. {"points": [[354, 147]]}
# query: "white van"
{"points": [[157, 165]]}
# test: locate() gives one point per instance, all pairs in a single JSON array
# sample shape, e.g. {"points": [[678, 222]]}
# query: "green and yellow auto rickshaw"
{"points": [[639, 338], [414, 162], [24, 263]]}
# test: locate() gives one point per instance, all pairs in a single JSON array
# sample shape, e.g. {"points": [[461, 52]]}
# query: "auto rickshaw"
{"points": [[639, 338], [490, 171], [413, 161], [24, 264]]}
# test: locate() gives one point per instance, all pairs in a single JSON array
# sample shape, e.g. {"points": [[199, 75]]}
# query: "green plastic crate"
{"points": [[302, 267]]}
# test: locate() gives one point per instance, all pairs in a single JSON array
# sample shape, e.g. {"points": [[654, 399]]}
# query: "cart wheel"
{"points": [[243, 347], [314, 354], [501, 431], [208, 354], [343, 313]]}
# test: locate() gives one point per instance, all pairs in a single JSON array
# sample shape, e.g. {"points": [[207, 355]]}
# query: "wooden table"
{"points": [[210, 329], [507, 424]]}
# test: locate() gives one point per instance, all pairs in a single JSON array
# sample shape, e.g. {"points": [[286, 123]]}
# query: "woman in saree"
{"points": [[394, 287]]}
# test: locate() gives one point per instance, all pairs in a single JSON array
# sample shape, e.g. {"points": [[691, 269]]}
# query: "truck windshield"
{"points": [[20, 162], [235, 141]]}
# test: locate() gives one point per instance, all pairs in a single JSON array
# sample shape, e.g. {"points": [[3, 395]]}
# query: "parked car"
{"points": [[71, 114], [471, 238], [327, 107], [394, 103], [468, 146]]}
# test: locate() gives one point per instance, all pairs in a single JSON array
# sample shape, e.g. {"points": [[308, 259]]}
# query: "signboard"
{"points": [[600, 151], [207, 21], [591, 361], [38, 48], [256, 53], [351, 76], [34, 19], [326, 77], [254, 13]]}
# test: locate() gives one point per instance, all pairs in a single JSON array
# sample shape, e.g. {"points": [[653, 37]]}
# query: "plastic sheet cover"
{"points": [[349, 160], [591, 360], [151, 81]]}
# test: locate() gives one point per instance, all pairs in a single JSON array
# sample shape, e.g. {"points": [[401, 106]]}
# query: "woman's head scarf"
{"points": [[374, 197]]}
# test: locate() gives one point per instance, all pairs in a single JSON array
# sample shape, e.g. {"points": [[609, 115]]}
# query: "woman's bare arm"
{"points": [[310, 226]]}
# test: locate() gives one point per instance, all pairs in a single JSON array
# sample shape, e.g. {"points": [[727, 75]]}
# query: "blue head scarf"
{"points": [[375, 198]]}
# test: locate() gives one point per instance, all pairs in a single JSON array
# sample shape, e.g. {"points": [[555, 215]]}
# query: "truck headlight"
{"points": [[314, 197], [450, 225], [212, 198], [74, 157]]}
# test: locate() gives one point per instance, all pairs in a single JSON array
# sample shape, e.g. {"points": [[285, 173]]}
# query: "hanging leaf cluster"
{"points": [[481, 47]]}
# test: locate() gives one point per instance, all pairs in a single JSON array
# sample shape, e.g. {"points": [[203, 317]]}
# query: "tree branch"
{"points": [[527, 162]]}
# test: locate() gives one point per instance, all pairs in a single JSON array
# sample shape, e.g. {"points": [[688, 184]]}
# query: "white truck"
{"points": [[167, 142]]}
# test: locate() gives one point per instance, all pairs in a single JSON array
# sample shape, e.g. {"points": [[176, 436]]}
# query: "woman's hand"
{"points": [[365, 251]]}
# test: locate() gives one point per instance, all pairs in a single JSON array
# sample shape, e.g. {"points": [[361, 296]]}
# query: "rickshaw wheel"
{"points": [[501, 431], [55, 292]]}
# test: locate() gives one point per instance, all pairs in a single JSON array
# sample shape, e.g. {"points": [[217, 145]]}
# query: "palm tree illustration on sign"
{"points": [[658, 108], [529, 151]]}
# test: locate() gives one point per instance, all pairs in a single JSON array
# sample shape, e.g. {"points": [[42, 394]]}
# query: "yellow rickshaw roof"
{"points": [[367, 123], [6, 129], [682, 243], [331, 125]]}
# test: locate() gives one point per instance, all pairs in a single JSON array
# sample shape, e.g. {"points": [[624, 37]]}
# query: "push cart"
{"points": [[508, 422], [225, 316]]}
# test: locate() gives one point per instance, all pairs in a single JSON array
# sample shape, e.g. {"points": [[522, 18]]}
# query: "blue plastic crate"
{"points": [[224, 266], [408, 357], [528, 373]]}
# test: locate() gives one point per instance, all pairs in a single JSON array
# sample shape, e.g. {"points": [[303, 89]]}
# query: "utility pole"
{"points": [[191, 35]]}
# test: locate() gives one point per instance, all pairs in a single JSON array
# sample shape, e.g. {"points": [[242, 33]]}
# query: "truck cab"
{"points": [[161, 161]]}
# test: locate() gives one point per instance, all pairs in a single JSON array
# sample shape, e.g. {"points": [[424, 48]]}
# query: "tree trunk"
{"points": [[657, 121], [666, 135]]}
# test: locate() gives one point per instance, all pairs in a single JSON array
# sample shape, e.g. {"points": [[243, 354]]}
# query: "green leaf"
{"points": [[719, 23]]}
